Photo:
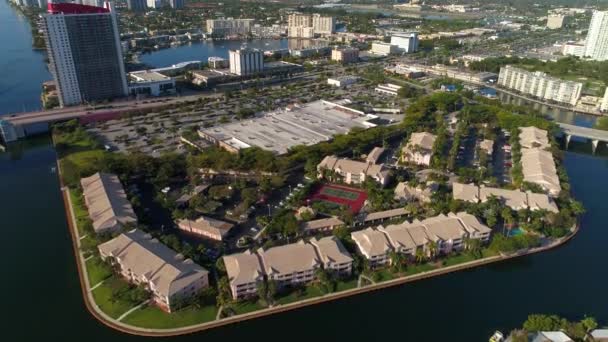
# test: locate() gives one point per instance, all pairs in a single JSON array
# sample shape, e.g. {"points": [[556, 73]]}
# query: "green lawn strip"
{"points": [[457, 259], [97, 270], [80, 211], [384, 275], [297, 295], [152, 317], [246, 306], [346, 285], [103, 298], [414, 269]]}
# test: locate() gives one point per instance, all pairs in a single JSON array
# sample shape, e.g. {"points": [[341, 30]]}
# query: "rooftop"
{"points": [[296, 257], [243, 268], [147, 76]]}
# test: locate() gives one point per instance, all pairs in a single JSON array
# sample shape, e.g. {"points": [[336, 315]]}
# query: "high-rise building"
{"points": [[323, 25], [84, 52], [540, 85], [306, 26], [229, 27], [297, 19], [137, 5], [154, 3], [596, 45], [176, 4], [406, 42], [555, 21], [345, 54], [246, 61], [96, 3]]}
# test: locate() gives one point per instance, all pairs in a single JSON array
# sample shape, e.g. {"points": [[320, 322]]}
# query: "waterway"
{"points": [[42, 298]]}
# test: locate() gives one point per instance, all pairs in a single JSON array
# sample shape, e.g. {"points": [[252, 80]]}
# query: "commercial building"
{"points": [[405, 42], [278, 131], [137, 5], [150, 83], [596, 44], [84, 51], [334, 257], [342, 81], [384, 49], [419, 149], [540, 85], [206, 227], [573, 49], [290, 265], [555, 21], [353, 171], [245, 273], [514, 199], [388, 89], [166, 274], [229, 27], [345, 54], [246, 61], [217, 63], [311, 51], [107, 203]]}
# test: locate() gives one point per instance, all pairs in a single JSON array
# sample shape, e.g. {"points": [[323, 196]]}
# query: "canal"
{"points": [[42, 298]]}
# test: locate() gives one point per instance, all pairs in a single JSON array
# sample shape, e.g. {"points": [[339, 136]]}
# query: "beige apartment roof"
{"points": [[381, 215], [207, 224], [147, 257], [371, 241], [287, 259], [423, 139], [514, 199], [331, 250], [541, 202], [374, 155], [243, 268], [538, 167], [353, 166], [399, 236], [417, 232], [444, 227], [106, 201], [465, 192], [530, 137], [404, 191], [471, 223], [322, 223]]}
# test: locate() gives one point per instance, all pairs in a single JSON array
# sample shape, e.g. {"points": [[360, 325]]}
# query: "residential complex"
{"points": [[448, 232], [245, 62], [345, 54], [229, 27], [245, 273], [419, 149], [334, 257], [84, 51], [596, 45], [514, 199], [307, 26], [421, 193], [290, 265], [353, 171], [206, 227], [540, 85], [144, 260], [537, 162], [107, 203], [278, 131], [405, 42]]}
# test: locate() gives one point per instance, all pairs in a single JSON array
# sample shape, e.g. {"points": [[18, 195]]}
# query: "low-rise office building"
{"points": [[384, 49], [215, 62], [342, 81], [150, 83], [166, 274], [419, 149], [388, 89], [245, 273], [353, 171], [206, 227], [107, 203]]}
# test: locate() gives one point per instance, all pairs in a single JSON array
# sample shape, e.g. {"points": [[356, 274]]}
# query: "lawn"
{"points": [[153, 317], [80, 211], [383, 275], [297, 295], [346, 285], [97, 270], [457, 259], [247, 306], [103, 298], [413, 269], [340, 193]]}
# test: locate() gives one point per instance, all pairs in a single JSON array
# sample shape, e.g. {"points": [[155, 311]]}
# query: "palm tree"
{"points": [[432, 248], [420, 255]]}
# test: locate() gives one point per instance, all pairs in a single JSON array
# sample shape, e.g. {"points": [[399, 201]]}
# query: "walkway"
{"points": [[361, 276], [131, 310]]}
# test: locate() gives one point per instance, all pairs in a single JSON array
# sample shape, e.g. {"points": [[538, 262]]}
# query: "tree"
{"points": [[602, 123], [420, 255], [263, 290], [397, 261]]}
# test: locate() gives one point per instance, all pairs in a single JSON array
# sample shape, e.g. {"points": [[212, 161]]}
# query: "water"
{"points": [[43, 301], [22, 70]]}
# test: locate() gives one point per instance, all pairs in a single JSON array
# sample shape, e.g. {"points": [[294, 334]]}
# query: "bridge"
{"points": [[595, 135]]}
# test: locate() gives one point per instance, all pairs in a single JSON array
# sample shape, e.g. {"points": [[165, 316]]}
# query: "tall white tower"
{"points": [[596, 46]]}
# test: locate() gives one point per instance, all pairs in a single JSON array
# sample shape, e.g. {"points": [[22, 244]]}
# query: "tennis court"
{"points": [[340, 195]]}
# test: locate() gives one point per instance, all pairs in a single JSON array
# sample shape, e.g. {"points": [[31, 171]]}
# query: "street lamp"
{"points": [[268, 210]]}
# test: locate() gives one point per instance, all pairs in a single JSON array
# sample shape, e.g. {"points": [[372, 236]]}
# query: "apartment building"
{"points": [[373, 245], [290, 265], [345, 54], [405, 42], [532, 137], [308, 26], [206, 227], [596, 44], [166, 274], [229, 27], [245, 273], [540, 85], [537, 163], [514, 199], [107, 203], [419, 149], [246, 61], [333, 255], [352, 171]]}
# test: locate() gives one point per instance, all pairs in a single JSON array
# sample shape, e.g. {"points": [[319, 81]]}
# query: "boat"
{"points": [[497, 337]]}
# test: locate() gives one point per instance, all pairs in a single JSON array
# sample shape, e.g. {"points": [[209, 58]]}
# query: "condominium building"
{"points": [[419, 149], [540, 85], [345, 54], [137, 5], [373, 245], [596, 44], [107, 203], [384, 49], [246, 61], [298, 19], [405, 42], [245, 273], [307, 26], [229, 27], [555, 21], [323, 25], [176, 4], [84, 51], [300, 32], [290, 265], [206, 227], [166, 274], [352, 171], [537, 163], [334, 257]]}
